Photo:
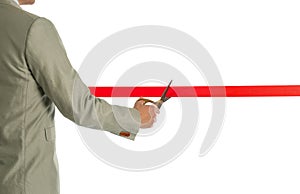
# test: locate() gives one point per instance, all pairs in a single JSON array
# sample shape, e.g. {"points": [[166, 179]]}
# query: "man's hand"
{"points": [[147, 112], [26, 2]]}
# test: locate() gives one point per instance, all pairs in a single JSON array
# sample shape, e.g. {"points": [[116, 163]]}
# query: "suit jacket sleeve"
{"points": [[50, 67]]}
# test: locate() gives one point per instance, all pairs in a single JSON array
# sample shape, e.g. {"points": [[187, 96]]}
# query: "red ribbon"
{"points": [[198, 91]]}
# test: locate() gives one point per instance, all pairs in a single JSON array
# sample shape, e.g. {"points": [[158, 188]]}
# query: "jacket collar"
{"points": [[10, 2]]}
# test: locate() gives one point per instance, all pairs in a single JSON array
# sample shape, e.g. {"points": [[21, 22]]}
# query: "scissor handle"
{"points": [[146, 100], [157, 103]]}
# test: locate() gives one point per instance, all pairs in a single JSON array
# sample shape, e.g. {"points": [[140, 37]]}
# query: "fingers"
{"points": [[153, 111], [157, 111], [148, 113]]}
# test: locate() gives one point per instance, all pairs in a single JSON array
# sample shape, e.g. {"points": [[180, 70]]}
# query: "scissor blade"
{"points": [[163, 96]]}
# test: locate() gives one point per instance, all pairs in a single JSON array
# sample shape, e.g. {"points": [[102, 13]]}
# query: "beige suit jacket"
{"points": [[36, 76]]}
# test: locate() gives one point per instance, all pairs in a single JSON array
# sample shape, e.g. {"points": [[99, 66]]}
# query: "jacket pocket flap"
{"points": [[50, 133]]}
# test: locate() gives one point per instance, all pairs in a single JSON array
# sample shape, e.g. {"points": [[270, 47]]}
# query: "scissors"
{"points": [[162, 99]]}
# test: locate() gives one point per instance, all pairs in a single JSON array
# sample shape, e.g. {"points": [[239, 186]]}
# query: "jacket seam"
{"points": [[24, 132], [25, 106]]}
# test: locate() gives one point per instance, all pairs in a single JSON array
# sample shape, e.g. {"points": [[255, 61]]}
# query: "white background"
{"points": [[252, 42]]}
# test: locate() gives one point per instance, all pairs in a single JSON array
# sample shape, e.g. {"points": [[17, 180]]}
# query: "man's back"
{"points": [[27, 132]]}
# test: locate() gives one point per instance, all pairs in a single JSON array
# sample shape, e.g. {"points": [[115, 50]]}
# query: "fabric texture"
{"points": [[36, 76]]}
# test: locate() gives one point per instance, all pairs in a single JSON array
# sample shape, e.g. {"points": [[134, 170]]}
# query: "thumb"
{"points": [[141, 101]]}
